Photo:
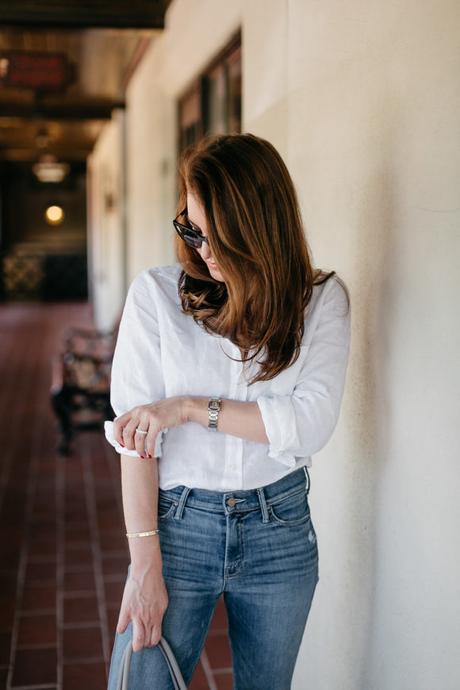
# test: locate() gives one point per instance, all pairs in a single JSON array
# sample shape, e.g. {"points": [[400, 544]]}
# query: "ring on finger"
{"points": [[141, 431]]}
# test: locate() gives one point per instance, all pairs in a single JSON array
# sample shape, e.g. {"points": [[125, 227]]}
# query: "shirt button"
{"points": [[231, 502]]}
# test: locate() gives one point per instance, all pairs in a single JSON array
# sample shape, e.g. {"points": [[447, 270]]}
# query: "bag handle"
{"points": [[173, 666]]}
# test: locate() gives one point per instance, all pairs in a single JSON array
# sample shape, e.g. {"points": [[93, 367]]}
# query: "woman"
{"points": [[228, 375]]}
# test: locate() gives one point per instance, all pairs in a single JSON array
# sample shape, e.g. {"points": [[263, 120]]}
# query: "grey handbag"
{"points": [[174, 670]]}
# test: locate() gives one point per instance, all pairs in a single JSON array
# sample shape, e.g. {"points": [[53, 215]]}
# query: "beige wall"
{"points": [[106, 242], [374, 133], [363, 101]]}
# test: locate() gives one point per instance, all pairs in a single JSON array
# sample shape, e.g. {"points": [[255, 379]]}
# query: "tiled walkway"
{"points": [[63, 554]]}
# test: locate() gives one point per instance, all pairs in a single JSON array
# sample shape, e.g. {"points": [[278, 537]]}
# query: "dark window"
{"points": [[212, 104]]}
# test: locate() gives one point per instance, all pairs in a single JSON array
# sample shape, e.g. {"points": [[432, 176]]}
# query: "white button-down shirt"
{"points": [[162, 352]]}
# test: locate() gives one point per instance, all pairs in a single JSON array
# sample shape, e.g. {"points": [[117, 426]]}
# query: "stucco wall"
{"points": [[373, 144], [106, 226]]}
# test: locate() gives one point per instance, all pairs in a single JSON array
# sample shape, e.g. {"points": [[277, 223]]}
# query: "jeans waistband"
{"points": [[244, 499]]}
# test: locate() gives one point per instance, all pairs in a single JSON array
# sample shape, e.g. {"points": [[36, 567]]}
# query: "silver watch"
{"points": [[214, 405]]}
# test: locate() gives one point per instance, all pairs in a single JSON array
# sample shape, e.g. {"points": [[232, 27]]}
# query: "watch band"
{"points": [[214, 405]]}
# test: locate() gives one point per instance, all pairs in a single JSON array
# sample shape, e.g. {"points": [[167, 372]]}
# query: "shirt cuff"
{"points": [[109, 435], [276, 417]]}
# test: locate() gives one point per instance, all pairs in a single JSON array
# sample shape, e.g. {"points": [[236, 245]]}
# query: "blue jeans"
{"points": [[258, 547]]}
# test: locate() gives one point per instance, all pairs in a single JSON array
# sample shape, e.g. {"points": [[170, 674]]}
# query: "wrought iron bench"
{"points": [[80, 386]]}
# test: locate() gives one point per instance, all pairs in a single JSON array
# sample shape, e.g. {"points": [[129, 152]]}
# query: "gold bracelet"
{"points": [[142, 534]]}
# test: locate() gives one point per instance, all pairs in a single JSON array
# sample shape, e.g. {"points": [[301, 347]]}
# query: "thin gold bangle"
{"points": [[142, 534]]}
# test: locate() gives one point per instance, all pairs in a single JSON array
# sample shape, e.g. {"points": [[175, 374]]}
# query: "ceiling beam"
{"points": [[83, 110], [79, 14], [31, 155]]}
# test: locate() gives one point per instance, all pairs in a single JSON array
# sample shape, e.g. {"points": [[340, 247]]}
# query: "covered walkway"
{"points": [[63, 554]]}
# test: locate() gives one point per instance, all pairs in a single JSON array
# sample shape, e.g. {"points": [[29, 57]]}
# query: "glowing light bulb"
{"points": [[54, 215]]}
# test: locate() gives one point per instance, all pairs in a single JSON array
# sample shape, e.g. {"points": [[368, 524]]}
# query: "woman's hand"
{"points": [[162, 414], [145, 600]]}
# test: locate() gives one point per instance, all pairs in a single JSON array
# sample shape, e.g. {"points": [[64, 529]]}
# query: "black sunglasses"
{"points": [[190, 236]]}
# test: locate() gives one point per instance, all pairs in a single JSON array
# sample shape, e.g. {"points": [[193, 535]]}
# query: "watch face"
{"points": [[214, 405]]}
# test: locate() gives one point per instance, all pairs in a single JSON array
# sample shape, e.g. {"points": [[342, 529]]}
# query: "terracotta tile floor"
{"points": [[63, 555]]}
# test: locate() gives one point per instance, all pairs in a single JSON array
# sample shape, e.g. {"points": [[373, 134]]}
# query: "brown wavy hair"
{"points": [[257, 239]]}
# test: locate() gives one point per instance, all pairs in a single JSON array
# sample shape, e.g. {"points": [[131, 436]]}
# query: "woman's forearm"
{"points": [[139, 481], [145, 596], [237, 417]]}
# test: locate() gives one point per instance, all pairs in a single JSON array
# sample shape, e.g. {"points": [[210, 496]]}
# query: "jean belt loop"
{"points": [[180, 506], [263, 504], [308, 477]]}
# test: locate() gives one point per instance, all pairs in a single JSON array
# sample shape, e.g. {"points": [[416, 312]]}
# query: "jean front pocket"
{"points": [[292, 510], [166, 507]]}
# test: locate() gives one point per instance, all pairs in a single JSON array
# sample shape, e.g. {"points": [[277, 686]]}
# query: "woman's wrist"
{"points": [[140, 570], [145, 554], [196, 409]]}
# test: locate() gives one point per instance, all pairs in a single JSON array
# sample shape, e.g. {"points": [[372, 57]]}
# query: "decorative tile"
{"points": [[43, 572], [78, 555], [224, 681], [45, 546], [82, 642], [6, 613], [79, 580], [113, 611], [111, 541], [114, 591], [77, 532], [3, 677], [5, 648], [218, 651], [37, 630], [35, 667], [90, 676], [36, 598], [80, 609], [115, 564], [199, 681], [220, 619]]}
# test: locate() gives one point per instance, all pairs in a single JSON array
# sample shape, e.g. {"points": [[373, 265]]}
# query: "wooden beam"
{"points": [[83, 110], [77, 14], [30, 155]]}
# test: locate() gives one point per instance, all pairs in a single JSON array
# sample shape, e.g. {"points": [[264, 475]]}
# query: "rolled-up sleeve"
{"points": [[300, 424], [136, 377]]}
